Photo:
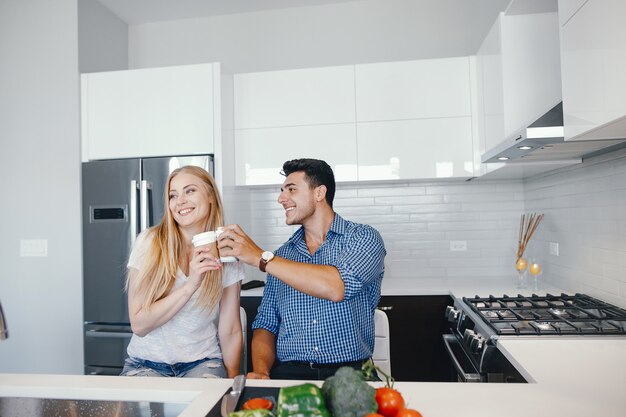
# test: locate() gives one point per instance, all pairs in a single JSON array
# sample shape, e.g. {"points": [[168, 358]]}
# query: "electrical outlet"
{"points": [[458, 245], [554, 248], [34, 247]]}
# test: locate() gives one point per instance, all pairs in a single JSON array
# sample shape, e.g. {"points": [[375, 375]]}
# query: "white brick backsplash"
{"points": [[410, 199], [428, 208], [585, 205], [391, 191]]}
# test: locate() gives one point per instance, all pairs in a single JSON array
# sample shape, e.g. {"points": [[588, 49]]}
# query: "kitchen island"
{"points": [[570, 377]]}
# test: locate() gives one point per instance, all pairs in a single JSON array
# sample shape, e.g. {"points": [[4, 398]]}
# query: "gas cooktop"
{"points": [[563, 314]]}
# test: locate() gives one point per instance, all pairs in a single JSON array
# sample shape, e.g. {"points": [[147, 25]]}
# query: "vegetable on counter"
{"points": [[305, 400], [258, 403], [260, 412], [348, 395], [389, 401]]}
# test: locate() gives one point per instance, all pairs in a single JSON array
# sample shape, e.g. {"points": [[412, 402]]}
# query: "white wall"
{"points": [[102, 38], [585, 209], [39, 149], [345, 33]]}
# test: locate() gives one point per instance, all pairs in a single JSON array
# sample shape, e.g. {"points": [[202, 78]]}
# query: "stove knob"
{"points": [[477, 343], [468, 335], [452, 314]]}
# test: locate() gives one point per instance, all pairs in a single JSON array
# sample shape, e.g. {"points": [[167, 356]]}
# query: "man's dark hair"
{"points": [[317, 172]]}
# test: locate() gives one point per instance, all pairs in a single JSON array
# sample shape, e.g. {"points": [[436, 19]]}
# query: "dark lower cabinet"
{"points": [[416, 326]]}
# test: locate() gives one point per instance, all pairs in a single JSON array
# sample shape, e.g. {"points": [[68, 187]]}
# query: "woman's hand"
{"points": [[203, 260]]}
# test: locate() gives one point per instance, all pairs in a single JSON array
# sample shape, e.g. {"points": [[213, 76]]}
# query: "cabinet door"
{"points": [[413, 89], [423, 148], [294, 97], [148, 112], [593, 57], [260, 153], [416, 326]]}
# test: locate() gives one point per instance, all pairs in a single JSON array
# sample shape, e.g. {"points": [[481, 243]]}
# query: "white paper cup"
{"points": [[204, 238], [209, 237], [218, 232]]}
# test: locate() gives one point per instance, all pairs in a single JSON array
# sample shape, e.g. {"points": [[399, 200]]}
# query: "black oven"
{"points": [[473, 351], [477, 323]]}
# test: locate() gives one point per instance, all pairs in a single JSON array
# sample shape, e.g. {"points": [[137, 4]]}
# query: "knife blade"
{"points": [[229, 400]]}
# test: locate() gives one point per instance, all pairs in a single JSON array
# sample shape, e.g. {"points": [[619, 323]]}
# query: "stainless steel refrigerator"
{"points": [[120, 199]]}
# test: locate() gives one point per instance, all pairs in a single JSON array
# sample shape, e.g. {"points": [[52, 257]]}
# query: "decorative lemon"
{"points": [[534, 269], [521, 264]]}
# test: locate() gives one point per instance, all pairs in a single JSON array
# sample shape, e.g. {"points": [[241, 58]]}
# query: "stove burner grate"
{"points": [[550, 315]]}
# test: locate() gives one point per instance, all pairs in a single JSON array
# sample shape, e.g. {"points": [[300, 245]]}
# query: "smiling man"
{"points": [[323, 284]]}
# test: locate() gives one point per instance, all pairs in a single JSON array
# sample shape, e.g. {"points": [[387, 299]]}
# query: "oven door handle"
{"points": [[466, 376]]}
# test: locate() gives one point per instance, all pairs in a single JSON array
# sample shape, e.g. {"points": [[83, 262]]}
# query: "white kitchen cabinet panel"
{"points": [[423, 148], [567, 9], [148, 112], [294, 97], [413, 89], [593, 55], [260, 153]]}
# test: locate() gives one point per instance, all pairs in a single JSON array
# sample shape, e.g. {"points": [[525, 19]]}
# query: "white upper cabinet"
{"points": [[412, 89], [294, 97], [149, 112], [414, 119], [397, 120], [593, 56], [260, 153], [418, 148]]}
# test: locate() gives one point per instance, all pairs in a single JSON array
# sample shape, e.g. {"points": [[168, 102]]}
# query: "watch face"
{"points": [[267, 256]]}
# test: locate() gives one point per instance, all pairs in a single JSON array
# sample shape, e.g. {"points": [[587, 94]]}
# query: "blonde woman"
{"points": [[183, 303]]}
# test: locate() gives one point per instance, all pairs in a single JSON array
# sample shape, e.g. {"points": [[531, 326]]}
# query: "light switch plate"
{"points": [[34, 247], [554, 248]]}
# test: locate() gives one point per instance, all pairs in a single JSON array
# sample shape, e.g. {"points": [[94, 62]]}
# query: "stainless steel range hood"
{"points": [[543, 141]]}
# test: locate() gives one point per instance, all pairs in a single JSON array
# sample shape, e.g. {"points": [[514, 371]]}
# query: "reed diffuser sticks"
{"points": [[528, 225]]}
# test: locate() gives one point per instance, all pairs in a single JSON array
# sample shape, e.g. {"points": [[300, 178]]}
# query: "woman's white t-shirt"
{"points": [[192, 333]]}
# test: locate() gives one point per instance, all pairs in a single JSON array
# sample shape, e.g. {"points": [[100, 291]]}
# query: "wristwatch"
{"points": [[266, 257]]}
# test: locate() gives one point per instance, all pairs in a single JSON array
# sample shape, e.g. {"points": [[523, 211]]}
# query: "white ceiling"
{"points": [[147, 11]]}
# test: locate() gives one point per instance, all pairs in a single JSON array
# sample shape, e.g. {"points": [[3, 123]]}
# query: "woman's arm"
{"points": [[229, 329], [144, 320]]}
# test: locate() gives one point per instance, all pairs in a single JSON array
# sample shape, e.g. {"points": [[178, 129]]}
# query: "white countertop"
{"points": [[575, 376], [571, 376]]}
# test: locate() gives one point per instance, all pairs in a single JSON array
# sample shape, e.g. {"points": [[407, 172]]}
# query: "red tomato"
{"points": [[257, 403], [408, 412], [389, 401], [374, 415]]}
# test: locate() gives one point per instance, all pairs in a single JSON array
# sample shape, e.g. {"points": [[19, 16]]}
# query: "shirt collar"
{"points": [[338, 226]]}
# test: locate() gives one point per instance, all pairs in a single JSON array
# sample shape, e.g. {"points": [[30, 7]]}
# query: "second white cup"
{"points": [[208, 238]]}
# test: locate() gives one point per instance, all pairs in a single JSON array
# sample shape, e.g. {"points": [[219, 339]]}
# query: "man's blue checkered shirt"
{"points": [[312, 329]]}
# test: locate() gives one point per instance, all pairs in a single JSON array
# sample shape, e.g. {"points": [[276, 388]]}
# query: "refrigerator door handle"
{"points": [[145, 186], [133, 212], [100, 333]]}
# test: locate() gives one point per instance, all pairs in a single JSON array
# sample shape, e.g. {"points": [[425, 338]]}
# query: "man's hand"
{"points": [[235, 242], [255, 375]]}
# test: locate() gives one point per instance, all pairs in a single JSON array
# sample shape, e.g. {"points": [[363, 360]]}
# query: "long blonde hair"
{"points": [[159, 267]]}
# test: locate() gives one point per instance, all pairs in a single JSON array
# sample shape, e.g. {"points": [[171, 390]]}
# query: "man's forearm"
{"points": [[263, 351], [322, 281]]}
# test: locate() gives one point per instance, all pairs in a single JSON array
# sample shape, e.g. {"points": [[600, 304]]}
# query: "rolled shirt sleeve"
{"points": [[361, 260]]}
